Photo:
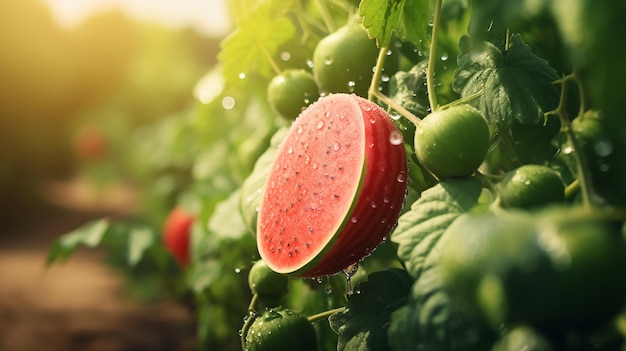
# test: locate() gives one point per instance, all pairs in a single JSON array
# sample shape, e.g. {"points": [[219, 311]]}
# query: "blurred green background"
{"points": [[72, 95]]}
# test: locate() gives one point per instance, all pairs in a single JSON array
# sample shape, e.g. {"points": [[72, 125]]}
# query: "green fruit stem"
{"points": [[325, 314], [432, 57], [270, 59], [249, 320], [583, 175], [326, 16], [373, 91]]}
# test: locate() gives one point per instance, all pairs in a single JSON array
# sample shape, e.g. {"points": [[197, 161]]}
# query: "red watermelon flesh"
{"points": [[335, 188]]}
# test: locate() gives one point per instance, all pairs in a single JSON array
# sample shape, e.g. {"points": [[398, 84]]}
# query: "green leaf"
{"points": [[513, 84], [252, 46], [408, 89], [89, 235], [140, 239], [363, 326], [431, 321], [420, 228], [226, 222], [409, 18], [135, 239], [252, 187]]}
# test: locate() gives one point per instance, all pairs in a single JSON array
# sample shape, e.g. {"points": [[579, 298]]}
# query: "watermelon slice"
{"points": [[334, 190]]}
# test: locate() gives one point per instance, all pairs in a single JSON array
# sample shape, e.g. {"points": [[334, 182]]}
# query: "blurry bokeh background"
{"points": [[78, 78]]}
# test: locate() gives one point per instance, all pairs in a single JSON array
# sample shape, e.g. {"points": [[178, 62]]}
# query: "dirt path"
{"points": [[77, 305]]}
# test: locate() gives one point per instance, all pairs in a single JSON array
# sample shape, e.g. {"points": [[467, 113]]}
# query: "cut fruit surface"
{"points": [[335, 188]]}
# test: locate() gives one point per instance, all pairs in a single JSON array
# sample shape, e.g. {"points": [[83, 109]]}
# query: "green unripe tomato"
{"points": [[557, 270], [531, 186], [281, 330], [452, 142], [343, 61], [265, 282], [291, 91]]}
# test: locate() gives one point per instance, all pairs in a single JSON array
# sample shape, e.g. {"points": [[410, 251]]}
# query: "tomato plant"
{"points": [[482, 197]]}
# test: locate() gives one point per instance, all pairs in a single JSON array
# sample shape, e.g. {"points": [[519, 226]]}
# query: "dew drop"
{"points": [[237, 270], [241, 75], [309, 63], [228, 102], [395, 115], [395, 137], [603, 148], [401, 178], [568, 150], [385, 78], [328, 60], [351, 84], [444, 56], [320, 124], [285, 56]]}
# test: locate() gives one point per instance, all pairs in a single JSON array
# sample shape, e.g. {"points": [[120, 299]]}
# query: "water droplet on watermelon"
{"points": [[372, 121], [354, 220], [315, 166], [366, 108], [336, 146], [299, 130], [290, 150], [320, 124], [401, 178], [395, 137], [374, 204]]}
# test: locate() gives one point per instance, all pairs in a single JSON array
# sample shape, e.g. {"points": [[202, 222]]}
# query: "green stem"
{"points": [[572, 189], [249, 320], [374, 93], [306, 22], [326, 16], [394, 106], [325, 314], [378, 71], [270, 59], [583, 175], [432, 58]]}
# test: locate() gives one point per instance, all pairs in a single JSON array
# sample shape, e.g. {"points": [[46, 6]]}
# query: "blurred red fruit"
{"points": [[176, 230]]}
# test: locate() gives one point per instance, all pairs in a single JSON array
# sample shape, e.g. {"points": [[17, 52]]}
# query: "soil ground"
{"points": [[77, 305]]}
